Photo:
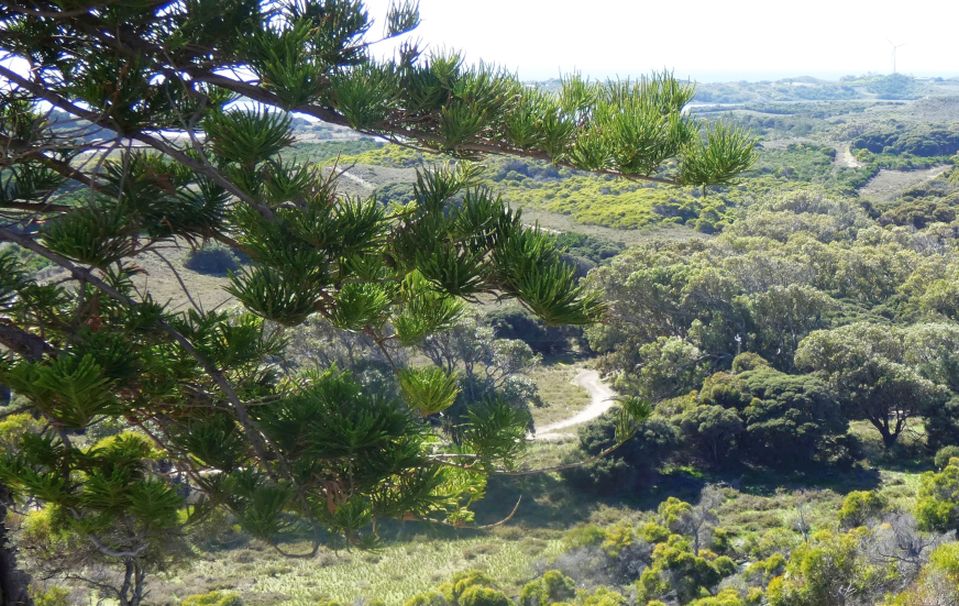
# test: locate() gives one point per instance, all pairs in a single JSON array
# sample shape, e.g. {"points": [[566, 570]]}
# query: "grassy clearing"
{"points": [[887, 185], [544, 455], [162, 278], [413, 557], [406, 566], [560, 222], [561, 397]]}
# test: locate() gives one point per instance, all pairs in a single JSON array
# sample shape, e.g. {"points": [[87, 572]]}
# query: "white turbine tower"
{"points": [[895, 47]]}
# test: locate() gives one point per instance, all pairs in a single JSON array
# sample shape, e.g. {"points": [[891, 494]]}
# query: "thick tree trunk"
{"points": [[889, 438], [889, 435], [13, 581], [134, 584]]}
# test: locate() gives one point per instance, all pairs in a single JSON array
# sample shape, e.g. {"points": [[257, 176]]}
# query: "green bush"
{"points": [[945, 560], [937, 503], [860, 506], [786, 421], [478, 595], [942, 422], [624, 470], [213, 260], [583, 536], [50, 596], [604, 596], [427, 598], [213, 598], [922, 141], [938, 581], [894, 86], [550, 588], [945, 454], [726, 597], [827, 569], [919, 213], [676, 570], [14, 427], [389, 155], [747, 361], [593, 248], [327, 152], [454, 589], [517, 323]]}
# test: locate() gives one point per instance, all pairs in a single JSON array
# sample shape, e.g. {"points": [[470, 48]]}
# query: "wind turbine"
{"points": [[894, 48]]}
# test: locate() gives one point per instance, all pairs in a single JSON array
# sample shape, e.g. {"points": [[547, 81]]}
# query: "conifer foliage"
{"points": [[125, 126]]}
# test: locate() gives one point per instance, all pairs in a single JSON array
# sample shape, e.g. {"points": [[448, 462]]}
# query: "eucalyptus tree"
{"points": [[125, 126], [876, 371]]}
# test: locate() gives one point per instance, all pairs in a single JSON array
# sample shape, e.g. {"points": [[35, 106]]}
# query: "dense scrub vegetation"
{"points": [[806, 305], [629, 204], [901, 139], [872, 552], [813, 333]]}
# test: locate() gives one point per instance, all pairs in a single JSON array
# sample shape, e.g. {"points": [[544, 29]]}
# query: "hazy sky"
{"points": [[705, 40]]}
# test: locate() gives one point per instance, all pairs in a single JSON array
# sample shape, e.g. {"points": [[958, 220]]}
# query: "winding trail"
{"points": [[601, 398]]}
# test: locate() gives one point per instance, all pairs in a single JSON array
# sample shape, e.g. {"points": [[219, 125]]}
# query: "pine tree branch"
{"points": [[314, 549], [505, 150], [65, 170], [35, 207], [137, 48], [9, 412], [257, 439], [114, 553], [63, 14], [101, 120], [26, 344]]}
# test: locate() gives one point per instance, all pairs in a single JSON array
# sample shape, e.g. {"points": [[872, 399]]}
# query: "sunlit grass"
{"points": [[391, 574], [561, 397]]}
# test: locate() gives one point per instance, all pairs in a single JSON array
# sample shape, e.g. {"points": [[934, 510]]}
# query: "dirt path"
{"points": [[601, 398], [358, 180], [845, 158]]}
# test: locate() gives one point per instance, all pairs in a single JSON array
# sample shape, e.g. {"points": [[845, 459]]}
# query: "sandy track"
{"points": [[601, 398], [845, 158]]}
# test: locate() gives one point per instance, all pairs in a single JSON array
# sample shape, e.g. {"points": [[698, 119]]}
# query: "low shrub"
{"points": [[944, 455], [213, 598], [860, 506], [213, 260]]}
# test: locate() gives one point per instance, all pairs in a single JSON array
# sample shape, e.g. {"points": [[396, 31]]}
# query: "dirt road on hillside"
{"points": [[845, 158]]}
